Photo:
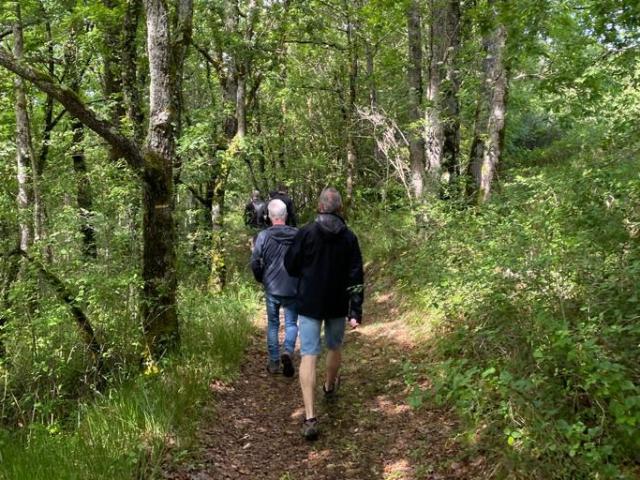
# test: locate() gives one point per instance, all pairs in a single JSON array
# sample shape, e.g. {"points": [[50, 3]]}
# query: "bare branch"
{"points": [[391, 142]]}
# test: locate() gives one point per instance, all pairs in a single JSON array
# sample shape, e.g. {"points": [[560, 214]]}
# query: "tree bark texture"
{"points": [[158, 308], [486, 147], [442, 116], [414, 77], [24, 148]]}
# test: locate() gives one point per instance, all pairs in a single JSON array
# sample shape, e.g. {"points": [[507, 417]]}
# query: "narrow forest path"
{"points": [[369, 433]]}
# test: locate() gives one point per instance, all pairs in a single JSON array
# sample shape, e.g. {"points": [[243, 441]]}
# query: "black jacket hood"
{"points": [[330, 224]]}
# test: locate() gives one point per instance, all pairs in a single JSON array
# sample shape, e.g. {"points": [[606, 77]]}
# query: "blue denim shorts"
{"points": [[309, 331]]}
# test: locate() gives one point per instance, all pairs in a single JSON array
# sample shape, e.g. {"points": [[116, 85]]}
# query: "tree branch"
{"points": [[216, 64], [70, 100]]}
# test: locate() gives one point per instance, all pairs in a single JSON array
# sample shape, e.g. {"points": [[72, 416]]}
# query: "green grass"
{"points": [[127, 432]]}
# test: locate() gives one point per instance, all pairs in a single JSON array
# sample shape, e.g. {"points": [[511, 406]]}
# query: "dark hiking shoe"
{"points": [[287, 365], [273, 367], [331, 393], [310, 429]]}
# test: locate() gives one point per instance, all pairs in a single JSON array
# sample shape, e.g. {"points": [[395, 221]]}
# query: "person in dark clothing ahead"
{"points": [[325, 256], [254, 212], [282, 193], [280, 288]]}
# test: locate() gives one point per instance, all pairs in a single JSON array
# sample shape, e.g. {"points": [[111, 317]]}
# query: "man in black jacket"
{"points": [[280, 288], [282, 193], [325, 256]]}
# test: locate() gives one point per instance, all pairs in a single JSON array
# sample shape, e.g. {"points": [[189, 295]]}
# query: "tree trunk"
{"points": [[414, 77], [241, 103], [352, 155], [181, 40], [84, 194], [373, 95], [233, 81], [442, 116], [83, 185], [486, 147], [158, 308], [450, 103], [24, 149]]}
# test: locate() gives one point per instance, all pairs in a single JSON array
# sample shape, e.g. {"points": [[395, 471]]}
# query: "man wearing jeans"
{"points": [[326, 258], [280, 289]]}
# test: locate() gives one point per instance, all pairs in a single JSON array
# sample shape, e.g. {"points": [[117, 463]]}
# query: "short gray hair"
{"points": [[277, 210], [330, 200]]}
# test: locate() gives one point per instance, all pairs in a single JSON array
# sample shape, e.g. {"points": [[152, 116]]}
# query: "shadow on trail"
{"points": [[369, 432]]}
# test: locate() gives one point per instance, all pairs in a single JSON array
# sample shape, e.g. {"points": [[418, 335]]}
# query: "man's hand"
{"points": [[353, 323]]}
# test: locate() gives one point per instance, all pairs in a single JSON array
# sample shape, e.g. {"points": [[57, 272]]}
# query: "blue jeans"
{"points": [[274, 302]]}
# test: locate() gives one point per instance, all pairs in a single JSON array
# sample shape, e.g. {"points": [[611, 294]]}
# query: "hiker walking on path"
{"points": [[325, 256], [282, 193], [280, 288], [254, 212]]}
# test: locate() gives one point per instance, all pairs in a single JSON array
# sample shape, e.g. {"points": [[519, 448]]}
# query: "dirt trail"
{"points": [[369, 433]]}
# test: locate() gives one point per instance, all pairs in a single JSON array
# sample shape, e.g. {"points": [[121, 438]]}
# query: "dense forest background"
{"points": [[488, 156]]}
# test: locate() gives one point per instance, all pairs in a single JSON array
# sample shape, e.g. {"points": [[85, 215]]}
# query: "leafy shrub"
{"points": [[535, 303]]}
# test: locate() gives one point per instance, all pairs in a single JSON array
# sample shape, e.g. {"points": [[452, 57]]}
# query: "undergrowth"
{"points": [[532, 304], [128, 430]]}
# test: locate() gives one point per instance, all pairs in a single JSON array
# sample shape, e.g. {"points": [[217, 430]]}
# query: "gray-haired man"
{"points": [[280, 288], [326, 258]]}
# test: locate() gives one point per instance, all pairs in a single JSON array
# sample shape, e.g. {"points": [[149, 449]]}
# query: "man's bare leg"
{"points": [[308, 384], [334, 358]]}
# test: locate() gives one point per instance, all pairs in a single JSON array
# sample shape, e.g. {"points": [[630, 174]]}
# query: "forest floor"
{"points": [[251, 429]]}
